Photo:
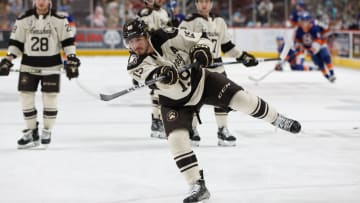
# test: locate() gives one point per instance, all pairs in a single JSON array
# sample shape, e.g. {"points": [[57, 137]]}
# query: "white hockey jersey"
{"points": [[217, 30], [171, 48], [39, 39], [154, 18]]}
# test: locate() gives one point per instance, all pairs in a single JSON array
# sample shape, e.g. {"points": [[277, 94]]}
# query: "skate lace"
{"points": [[283, 122], [225, 132], [27, 135]]}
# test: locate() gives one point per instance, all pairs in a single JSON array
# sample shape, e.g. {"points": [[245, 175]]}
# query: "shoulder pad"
{"points": [[160, 36], [26, 14], [213, 15], [193, 16], [145, 12], [135, 60], [57, 14]]}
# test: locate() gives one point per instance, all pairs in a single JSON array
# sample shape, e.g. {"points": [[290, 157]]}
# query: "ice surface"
{"points": [[102, 152]]}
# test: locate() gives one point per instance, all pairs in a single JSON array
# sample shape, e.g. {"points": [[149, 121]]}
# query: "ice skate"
{"points": [[225, 139], [157, 128], [332, 78], [29, 139], [45, 137], [287, 124], [195, 137], [198, 192]]}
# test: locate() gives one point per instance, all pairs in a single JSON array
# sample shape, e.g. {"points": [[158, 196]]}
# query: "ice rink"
{"points": [[101, 152]]}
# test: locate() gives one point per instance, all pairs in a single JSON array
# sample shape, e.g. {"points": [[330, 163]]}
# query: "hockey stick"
{"points": [[37, 71], [108, 97], [238, 62], [282, 57]]}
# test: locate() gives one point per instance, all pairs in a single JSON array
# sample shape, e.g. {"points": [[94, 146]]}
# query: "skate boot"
{"points": [[225, 138], [287, 124], [332, 78], [45, 137], [195, 137], [198, 191], [29, 139], [157, 128]]}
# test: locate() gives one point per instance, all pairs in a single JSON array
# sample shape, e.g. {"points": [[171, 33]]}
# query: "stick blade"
{"points": [[105, 97]]}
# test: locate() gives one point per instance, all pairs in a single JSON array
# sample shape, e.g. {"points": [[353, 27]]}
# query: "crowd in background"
{"points": [[341, 14]]}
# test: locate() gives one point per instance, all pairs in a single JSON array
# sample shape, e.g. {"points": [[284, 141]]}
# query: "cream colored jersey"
{"points": [[154, 18], [39, 39], [171, 47], [217, 30]]}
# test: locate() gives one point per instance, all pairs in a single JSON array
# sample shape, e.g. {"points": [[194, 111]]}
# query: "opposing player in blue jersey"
{"points": [[295, 58], [310, 37]]}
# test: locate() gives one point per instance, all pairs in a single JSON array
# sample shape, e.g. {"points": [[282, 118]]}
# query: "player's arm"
{"points": [[229, 48], [67, 39]]}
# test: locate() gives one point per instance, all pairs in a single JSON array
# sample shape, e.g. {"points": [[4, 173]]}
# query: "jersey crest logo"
{"points": [[138, 72], [172, 115]]}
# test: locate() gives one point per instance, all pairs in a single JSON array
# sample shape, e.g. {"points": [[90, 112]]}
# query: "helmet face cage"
{"points": [[134, 28]]}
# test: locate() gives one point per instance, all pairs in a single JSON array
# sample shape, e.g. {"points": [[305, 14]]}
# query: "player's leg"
{"points": [[326, 59], [220, 91], [50, 89], [256, 107], [194, 133], [225, 138], [157, 128], [27, 87], [178, 124]]}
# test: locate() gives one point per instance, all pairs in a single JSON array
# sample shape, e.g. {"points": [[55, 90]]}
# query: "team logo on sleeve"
{"points": [[14, 29], [172, 115]]}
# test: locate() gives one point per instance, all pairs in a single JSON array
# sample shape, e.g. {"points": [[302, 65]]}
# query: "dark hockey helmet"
{"points": [[134, 28]]}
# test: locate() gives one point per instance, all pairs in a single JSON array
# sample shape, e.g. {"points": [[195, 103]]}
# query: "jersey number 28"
{"points": [[40, 44]]}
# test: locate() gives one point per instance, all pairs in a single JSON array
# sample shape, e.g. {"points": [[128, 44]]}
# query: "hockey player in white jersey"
{"points": [[216, 29], [155, 17], [161, 54], [37, 37]]}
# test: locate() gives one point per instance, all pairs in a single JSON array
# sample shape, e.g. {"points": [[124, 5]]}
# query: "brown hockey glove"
{"points": [[171, 75], [5, 66], [247, 59], [201, 53], [72, 66]]}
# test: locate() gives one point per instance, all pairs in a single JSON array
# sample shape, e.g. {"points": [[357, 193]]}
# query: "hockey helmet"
{"points": [[134, 28], [300, 3], [305, 16], [279, 38]]}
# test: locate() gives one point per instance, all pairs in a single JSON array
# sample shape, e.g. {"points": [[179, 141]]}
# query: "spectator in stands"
{"points": [[112, 11], [4, 11], [264, 12], [97, 19], [15, 8], [238, 18]]}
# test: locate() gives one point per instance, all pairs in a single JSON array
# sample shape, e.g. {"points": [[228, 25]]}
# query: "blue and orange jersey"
{"points": [[313, 33]]}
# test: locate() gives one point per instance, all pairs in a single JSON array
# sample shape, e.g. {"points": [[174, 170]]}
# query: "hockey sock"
{"points": [[185, 158], [155, 105], [252, 105], [221, 117], [50, 109], [28, 107]]}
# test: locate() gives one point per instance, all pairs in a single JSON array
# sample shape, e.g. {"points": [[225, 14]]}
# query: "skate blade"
{"points": [[29, 145], [223, 143]]}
